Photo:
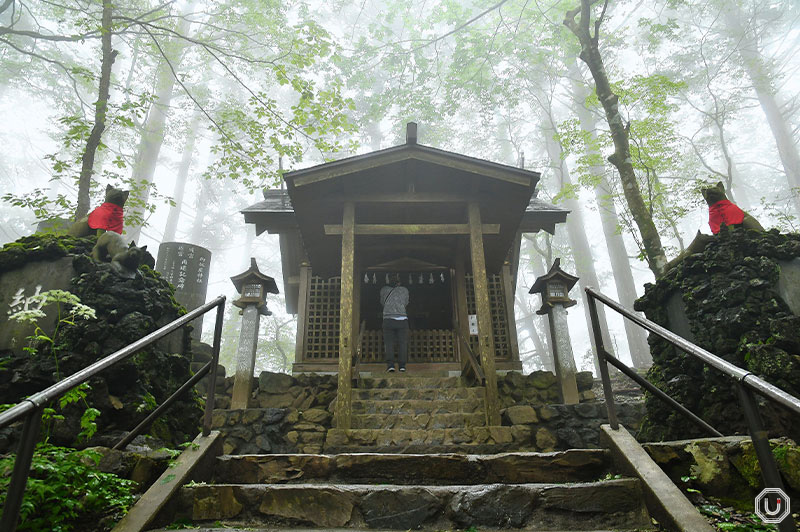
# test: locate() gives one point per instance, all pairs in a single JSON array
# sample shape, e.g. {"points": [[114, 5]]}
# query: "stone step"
{"points": [[419, 421], [615, 504], [417, 394], [328, 529], [472, 440], [576, 465], [408, 380], [417, 406]]}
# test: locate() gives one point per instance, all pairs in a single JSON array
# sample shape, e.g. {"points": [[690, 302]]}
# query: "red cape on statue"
{"points": [[724, 212], [107, 216]]}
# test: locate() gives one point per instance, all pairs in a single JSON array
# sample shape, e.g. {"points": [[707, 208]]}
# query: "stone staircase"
{"points": [[419, 456], [568, 490], [413, 413]]}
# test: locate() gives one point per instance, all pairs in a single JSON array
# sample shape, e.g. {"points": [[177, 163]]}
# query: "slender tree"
{"points": [[108, 54], [621, 158]]}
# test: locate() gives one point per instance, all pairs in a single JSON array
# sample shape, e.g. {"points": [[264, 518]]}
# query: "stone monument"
{"points": [[185, 266]]}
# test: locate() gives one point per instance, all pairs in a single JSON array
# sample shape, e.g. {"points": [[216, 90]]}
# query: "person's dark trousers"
{"points": [[395, 334]]}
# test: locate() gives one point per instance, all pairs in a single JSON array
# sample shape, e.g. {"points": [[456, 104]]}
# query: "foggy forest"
{"points": [[196, 106]]}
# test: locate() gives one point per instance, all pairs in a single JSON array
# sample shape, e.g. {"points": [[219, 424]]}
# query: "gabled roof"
{"points": [[407, 186], [405, 152]]}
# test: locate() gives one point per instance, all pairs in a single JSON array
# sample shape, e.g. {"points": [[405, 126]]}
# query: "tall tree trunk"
{"points": [[153, 130], [620, 263], [621, 158], [200, 205], [180, 180], [760, 76], [537, 332], [576, 232], [100, 109]]}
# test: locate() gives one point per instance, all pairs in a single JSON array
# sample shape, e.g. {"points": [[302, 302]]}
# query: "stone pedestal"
{"points": [[185, 266], [564, 360], [246, 357]]}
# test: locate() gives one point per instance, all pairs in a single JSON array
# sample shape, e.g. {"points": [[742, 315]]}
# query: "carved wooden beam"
{"points": [[412, 229]]}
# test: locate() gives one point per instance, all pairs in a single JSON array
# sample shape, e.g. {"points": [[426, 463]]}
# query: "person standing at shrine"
{"points": [[394, 299]]}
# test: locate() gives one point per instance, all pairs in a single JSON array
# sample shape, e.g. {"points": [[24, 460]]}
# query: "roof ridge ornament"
{"points": [[411, 133]]}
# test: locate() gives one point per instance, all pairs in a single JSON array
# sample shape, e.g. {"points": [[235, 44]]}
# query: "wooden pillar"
{"points": [[485, 338], [346, 341], [460, 281], [511, 322], [302, 312], [356, 309]]}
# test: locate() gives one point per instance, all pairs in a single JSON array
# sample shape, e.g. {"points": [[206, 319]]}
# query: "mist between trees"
{"points": [[626, 108]]}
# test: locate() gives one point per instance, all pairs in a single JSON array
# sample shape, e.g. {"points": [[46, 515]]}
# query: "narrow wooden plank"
{"points": [[356, 310], [411, 229], [400, 197], [346, 341], [302, 313], [460, 282], [483, 307], [511, 322]]}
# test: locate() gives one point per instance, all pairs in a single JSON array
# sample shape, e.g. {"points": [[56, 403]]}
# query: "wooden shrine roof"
{"points": [[410, 201]]}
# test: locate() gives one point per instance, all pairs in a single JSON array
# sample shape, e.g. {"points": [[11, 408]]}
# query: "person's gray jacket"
{"points": [[394, 300]]}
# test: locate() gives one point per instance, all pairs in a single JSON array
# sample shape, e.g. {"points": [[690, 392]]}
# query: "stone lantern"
{"points": [[554, 287], [253, 287]]}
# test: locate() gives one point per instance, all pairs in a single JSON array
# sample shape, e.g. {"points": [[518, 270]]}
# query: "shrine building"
{"points": [[448, 224]]}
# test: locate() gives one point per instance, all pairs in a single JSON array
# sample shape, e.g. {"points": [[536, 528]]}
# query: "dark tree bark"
{"points": [[100, 110], [620, 263], [621, 158]]}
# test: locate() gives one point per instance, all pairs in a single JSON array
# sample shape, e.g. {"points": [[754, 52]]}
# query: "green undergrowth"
{"points": [[66, 492], [727, 519]]}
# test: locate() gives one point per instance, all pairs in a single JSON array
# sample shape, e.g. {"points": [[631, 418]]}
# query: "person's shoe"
{"points": [[402, 369], [390, 370]]}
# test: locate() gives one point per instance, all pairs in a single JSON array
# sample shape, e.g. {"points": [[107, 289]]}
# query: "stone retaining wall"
{"points": [[293, 414], [286, 414]]}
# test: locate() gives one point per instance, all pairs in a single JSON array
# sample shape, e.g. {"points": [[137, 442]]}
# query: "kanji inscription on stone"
{"points": [[185, 266]]}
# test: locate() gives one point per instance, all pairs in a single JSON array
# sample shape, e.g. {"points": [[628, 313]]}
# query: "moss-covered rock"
{"points": [[42, 246], [126, 310], [732, 309]]}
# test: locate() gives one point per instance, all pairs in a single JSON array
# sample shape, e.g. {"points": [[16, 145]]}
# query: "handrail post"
{"points": [[22, 469], [769, 468], [212, 379], [602, 363]]}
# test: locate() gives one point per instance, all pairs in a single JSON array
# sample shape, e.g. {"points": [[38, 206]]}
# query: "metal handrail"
{"points": [[746, 383], [31, 407], [474, 363]]}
